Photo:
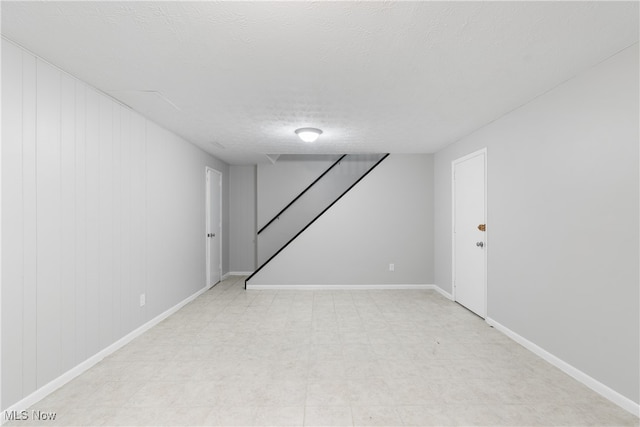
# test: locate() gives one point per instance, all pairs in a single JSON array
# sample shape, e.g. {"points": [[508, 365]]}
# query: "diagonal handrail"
{"points": [[300, 195], [314, 219]]}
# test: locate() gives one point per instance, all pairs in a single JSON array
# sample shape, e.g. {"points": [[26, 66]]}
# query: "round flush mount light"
{"points": [[308, 134]]}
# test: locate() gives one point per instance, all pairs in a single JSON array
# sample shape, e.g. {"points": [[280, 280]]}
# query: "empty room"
{"points": [[320, 213]]}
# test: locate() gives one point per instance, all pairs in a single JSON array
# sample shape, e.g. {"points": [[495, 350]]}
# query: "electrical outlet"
{"points": [[143, 300], [392, 267]]}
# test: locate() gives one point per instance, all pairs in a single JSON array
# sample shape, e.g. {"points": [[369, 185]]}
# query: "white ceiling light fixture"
{"points": [[308, 134]]}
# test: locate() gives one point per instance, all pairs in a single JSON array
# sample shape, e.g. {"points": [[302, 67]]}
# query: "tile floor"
{"points": [[321, 358]]}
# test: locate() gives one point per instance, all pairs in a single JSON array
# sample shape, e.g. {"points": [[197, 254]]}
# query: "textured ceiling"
{"points": [[237, 78]]}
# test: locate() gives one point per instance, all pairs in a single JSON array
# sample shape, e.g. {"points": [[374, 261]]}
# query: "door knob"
{"points": [[480, 244], [211, 235]]}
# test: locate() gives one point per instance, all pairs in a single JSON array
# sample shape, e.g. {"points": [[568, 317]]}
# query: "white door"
{"points": [[469, 232], [214, 226]]}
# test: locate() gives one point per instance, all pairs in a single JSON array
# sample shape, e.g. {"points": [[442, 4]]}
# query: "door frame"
{"points": [[207, 212], [454, 163]]}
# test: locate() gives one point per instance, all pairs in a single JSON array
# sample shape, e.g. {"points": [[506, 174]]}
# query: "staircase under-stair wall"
{"points": [[395, 192], [310, 203], [301, 210]]}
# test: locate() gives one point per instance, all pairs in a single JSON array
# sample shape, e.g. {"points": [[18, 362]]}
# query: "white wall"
{"points": [[563, 221], [242, 211], [99, 205], [386, 218]]}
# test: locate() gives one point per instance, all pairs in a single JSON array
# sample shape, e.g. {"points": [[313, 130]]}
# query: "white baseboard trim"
{"points": [[72, 373], [442, 292], [363, 287], [592, 383]]}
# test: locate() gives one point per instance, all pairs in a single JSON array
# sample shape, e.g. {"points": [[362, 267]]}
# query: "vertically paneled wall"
{"points": [[99, 205], [13, 224]]}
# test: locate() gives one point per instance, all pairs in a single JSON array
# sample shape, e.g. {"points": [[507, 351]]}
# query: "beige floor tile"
{"points": [[112, 394], [564, 414], [359, 369], [148, 416], [369, 392], [295, 370], [87, 417], [233, 357], [425, 415], [328, 416], [326, 370], [376, 416], [156, 394], [143, 371], [327, 393], [326, 352], [358, 352], [238, 393], [413, 391], [604, 414], [231, 416], [519, 415], [433, 368], [185, 416], [283, 393], [280, 416], [77, 391], [350, 335], [179, 371], [395, 369], [471, 368], [460, 393], [325, 335], [474, 415], [200, 393], [190, 353]]}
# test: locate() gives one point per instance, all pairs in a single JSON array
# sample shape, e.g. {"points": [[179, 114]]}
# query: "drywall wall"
{"points": [[176, 236], [334, 181], [99, 206], [281, 182], [386, 218], [562, 223], [242, 213]]}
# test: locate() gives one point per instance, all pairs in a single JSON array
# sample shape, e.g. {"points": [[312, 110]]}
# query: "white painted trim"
{"points": [[592, 383], [1, 420], [442, 292], [483, 152], [206, 214], [63, 379], [363, 287]]}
